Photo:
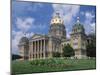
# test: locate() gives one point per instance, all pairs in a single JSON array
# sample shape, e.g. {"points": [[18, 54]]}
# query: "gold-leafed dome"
{"points": [[56, 19]]}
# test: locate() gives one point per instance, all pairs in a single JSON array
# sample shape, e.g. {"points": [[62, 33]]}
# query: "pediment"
{"points": [[35, 36]]}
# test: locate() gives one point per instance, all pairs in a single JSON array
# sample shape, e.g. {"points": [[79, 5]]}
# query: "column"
{"points": [[44, 48], [31, 50], [61, 48], [51, 46], [34, 49], [40, 49]]}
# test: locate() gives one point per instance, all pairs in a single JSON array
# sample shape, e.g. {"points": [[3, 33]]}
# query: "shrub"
{"points": [[68, 51], [56, 54]]}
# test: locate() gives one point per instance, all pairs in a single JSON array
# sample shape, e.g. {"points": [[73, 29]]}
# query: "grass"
{"points": [[52, 65]]}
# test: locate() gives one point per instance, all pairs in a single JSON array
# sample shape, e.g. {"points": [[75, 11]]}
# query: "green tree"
{"points": [[91, 47], [91, 50], [68, 51], [14, 57]]}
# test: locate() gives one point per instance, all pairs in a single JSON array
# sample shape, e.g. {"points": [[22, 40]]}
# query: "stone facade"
{"points": [[57, 28], [78, 40], [42, 46]]}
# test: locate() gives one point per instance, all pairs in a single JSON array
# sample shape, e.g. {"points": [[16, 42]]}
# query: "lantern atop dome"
{"points": [[56, 19]]}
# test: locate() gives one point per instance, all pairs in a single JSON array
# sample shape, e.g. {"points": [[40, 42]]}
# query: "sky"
{"points": [[34, 18]]}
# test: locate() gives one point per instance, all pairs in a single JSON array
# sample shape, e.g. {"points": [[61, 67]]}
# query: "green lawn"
{"points": [[52, 65]]}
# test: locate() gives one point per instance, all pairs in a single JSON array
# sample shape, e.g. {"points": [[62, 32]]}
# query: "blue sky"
{"points": [[32, 18]]}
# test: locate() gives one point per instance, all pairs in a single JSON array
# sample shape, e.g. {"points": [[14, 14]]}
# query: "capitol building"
{"points": [[41, 46]]}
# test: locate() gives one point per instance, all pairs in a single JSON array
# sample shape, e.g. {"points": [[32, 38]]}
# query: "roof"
{"points": [[38, 36], [56, 19], [24, 40], [78, 27]]}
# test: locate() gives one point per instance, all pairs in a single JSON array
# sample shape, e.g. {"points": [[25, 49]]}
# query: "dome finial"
{"points": [[57, 14], [78, 19]]}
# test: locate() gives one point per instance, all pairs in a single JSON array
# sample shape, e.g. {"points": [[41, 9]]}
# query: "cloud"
{"points": [[39, 26], [67, 11], [24, 24], [15, 40], [24, 8], [68, 33], [82, 13], [89, 16], [89, 24]]}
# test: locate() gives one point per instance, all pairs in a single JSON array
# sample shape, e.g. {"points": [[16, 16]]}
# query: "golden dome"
{"points": [[56, 19]]}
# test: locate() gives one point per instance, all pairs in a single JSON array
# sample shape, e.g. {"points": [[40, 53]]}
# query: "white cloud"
{"points": [[39, 26], [67, 11], [24, 24], [88, 24], [28, 35], [15, 40], [82, 13], [28, 23], [89, 16], [68, 33]]}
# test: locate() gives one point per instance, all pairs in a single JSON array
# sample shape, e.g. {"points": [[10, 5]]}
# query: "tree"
{"points": [[91, 50], [14, 57], [91, 47], [56, 54], [68, 51]]}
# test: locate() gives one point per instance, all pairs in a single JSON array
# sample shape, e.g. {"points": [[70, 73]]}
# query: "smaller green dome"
{"points": [[24, 40], [78, 27]]}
